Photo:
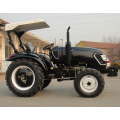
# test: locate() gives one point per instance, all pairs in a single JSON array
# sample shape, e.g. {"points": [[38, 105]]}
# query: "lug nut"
{"points": [[24, 82]]}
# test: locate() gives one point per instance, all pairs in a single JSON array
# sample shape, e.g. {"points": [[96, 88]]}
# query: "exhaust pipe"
{"points": [[68, 48]]}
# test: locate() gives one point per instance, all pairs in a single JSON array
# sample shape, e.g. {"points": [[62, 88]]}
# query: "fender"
{"points": [[49, 61], [28, 55]]}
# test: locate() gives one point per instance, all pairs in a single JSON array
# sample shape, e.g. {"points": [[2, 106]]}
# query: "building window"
{"points": [[7, 49]]}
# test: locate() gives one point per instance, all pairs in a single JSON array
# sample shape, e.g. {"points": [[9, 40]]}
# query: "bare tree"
{"points": [[111, 39], [116, 40]]}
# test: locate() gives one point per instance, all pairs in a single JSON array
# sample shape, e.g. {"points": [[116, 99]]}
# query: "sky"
{"points": [[84, 26]]}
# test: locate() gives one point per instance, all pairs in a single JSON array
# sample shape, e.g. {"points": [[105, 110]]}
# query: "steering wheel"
{"points": [[48, 46]]}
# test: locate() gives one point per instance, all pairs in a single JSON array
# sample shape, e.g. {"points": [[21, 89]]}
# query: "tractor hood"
{"points": [[89, 49], [77, 53]]}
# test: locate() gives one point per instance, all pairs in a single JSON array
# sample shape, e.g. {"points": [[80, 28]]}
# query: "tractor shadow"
{"points": [[58, 92]]}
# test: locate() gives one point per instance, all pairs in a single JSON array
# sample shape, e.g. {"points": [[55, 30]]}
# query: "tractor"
{"points": [[30, 72]]}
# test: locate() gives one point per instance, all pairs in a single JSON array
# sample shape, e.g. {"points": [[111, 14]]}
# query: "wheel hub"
{"points": [[88, 83], [23, 77]]}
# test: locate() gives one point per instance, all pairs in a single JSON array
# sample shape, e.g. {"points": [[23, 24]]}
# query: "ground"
{"points": [[62, 94]]}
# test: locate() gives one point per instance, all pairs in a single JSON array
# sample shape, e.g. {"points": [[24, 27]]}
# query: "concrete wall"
{"points": [[3, 64], [0, 52]]}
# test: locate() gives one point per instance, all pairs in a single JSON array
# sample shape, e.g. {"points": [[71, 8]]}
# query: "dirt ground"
{"points": [[62, 94]]}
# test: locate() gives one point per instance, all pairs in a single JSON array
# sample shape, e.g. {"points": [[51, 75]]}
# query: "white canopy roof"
{"points": [[27, 25]]}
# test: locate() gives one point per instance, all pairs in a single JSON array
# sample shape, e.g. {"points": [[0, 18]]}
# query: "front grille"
{"points": [[99, 58]]}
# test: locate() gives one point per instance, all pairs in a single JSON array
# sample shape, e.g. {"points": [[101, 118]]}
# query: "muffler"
{"points": [[68, 48]]}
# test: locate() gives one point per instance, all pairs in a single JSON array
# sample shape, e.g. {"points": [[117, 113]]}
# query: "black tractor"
{"points": [[30, 72]]}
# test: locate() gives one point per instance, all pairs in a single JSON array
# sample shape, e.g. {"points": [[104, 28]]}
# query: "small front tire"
{"points": [[89, 83]]}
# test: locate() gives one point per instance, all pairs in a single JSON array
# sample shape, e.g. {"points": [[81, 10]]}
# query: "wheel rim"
{"points": [[89, 83], [23, 78]]}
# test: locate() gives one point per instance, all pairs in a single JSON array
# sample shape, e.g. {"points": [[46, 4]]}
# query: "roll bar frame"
{"points": [[19, 35]]}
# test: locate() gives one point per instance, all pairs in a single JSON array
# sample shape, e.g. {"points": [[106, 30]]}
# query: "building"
{"points": [[6, 50], [116, 50], [109, 49]]}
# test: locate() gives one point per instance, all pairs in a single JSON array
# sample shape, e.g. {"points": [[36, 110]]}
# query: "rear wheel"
{"points": [[24, 77], [46, 83], [89, 83]]}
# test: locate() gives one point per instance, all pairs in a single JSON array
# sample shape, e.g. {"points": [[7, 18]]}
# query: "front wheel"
{"points": [[24, 77], [89, 83]]}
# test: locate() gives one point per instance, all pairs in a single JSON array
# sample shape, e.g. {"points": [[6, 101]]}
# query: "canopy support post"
{"points": [[11, 42]]}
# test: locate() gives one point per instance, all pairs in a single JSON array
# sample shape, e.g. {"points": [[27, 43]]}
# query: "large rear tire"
{"points": [[24, 77], [46, 83], [89, 82]]}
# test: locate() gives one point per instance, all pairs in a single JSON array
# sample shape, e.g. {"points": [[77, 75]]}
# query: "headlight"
{"points": [[104, 58]]}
